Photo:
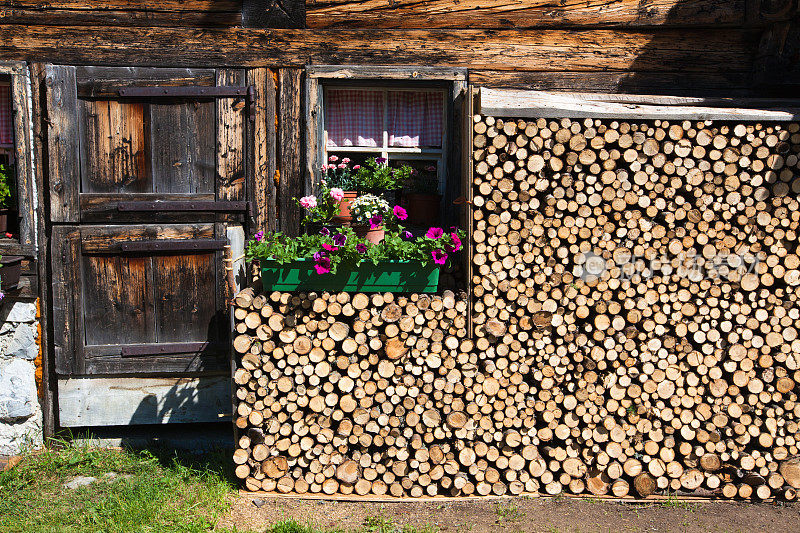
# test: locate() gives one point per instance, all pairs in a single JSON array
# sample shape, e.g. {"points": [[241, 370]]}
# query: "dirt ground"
{"points": [[522, 514]]}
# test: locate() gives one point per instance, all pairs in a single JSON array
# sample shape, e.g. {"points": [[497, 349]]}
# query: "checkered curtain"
{"points": [[415, 119], [6, 123], [354, 117]]}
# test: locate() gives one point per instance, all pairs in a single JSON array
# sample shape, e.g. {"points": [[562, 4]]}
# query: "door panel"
{"points": [[184, 310]]}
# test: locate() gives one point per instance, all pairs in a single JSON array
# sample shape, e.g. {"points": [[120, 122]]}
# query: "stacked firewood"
{"points": [[637, 284], [634, 299]]}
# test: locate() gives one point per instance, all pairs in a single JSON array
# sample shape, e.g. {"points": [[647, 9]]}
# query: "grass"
{"points": [[508, 512], [372, 524], [152, 492]]}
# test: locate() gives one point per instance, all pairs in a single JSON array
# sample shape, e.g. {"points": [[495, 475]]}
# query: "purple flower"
{"points": [[456, 243], [325, 231], [439, 257], [361, 248], [259, 236], [323, 265], [434, 233], [375, 222], [407, 235], [339, 239], [329, 248], [380, 160], [400, 213], [319, 256]]}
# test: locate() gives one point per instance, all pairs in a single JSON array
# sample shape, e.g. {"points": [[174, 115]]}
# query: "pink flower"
{"points": [[430, 168], [259, 236], [329, 247], [456, 243], [434, 233], [323, 265], [342, 166], [333, 159], [356, 167], [400, 213], [375, 222], [439, 257], [345, 160], [309, 202], [337, 194], [325, 167]]}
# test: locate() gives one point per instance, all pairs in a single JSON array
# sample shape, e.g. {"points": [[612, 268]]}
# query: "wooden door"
{"points": [[147, 170]]}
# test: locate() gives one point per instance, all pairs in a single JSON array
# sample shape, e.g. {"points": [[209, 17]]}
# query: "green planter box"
{"points": [[386, 276]]}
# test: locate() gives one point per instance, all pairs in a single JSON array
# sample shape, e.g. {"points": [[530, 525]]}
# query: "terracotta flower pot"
{"points": [[423, 209], [372, 235], [344, 215], [4, 213]]}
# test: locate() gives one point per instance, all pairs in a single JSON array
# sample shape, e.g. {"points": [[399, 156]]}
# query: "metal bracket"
{"points": [[186, 205], [248, 92], [185, 245]]}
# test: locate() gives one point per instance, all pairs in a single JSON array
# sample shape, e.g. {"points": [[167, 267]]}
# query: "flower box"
{"points": [[10, 270], [386, 276]]}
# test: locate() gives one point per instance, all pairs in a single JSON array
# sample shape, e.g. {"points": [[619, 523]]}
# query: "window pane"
{"points": [[6, 126], [354, 117], [415, 118]]}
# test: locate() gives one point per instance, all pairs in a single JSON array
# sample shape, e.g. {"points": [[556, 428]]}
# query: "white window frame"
{"points": [[393, 152]]}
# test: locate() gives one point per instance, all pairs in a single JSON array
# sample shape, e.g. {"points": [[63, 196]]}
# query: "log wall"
{"points": [[634, 297]]}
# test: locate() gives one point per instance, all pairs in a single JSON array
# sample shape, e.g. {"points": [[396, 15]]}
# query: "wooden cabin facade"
{"points": [[213, 109]]}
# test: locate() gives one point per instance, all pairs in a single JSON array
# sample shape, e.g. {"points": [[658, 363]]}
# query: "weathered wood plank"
{"points": [[689, 50], [67, 300], [230, 140], [63, 143], [513, 103], [103, 208], [102, 239], [264, 141], [99, 82], [274, 13], [206, 361], [290, 126], [84, 17], [118, 401], [520, 13], [129, 5]]}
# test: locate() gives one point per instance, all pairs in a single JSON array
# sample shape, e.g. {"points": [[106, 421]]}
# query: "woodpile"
{"points": [[634, 300], [637, 282]]}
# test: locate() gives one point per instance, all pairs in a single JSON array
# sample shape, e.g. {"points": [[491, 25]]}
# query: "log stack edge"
{"points": [[635, 292]]}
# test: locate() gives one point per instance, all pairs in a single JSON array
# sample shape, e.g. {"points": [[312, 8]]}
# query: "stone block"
{"points": [[22, 312], [18, 399]]}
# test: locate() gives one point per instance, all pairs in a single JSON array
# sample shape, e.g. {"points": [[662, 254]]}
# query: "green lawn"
{"points": [[158, 493]]}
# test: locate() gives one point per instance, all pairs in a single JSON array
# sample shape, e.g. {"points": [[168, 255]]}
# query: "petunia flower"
{"points": [[375, 222], [456, 244], [309, 202], [323, 265], [439, 256], [337, 194], [325, 231], [259, 236], [380, 160], [434, 233], [329, 247], [361, 248], [400, 213], [407, 235], [339, 239], [333, 159]]}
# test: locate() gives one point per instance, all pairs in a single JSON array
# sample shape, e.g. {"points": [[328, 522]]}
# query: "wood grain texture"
{"points": [[264, 140], [63, 143], [67, 301], [230, 139], [290, 149], [722, 50], [521, 13]]}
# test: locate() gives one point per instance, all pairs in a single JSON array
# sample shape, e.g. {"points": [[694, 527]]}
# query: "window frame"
{"points": [[384, 150], [21, 103], [452, 80]]}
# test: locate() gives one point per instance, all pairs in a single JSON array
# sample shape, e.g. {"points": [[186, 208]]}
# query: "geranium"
{"points": [[434, 233], [333, 159], [309, 202], [345, 160], [342, 165], [339, 239], [439, 256], [456, 243], [337, 194], [400, 213], [356, 167], [361, 248]]}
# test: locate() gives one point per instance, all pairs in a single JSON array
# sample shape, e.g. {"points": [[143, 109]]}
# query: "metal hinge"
{"points": [[248, 92]]}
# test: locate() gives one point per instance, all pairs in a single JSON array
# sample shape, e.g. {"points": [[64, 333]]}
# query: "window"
{"points": [[6, 123], [404, 125]]}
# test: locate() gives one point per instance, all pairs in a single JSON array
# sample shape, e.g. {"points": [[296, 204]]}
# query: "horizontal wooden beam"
{"points": [[521, 13], [118, 401], [405, 73], [542, 50], [514, 103]]}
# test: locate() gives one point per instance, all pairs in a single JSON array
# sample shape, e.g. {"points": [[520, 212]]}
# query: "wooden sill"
{"points": [[10, 246]]}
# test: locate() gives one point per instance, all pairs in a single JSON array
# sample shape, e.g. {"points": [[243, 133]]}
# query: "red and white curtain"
{"points": [[355, 117], [6, 121]]}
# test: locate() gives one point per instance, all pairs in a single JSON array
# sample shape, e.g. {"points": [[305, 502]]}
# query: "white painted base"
{"points": [[127, 401]]}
